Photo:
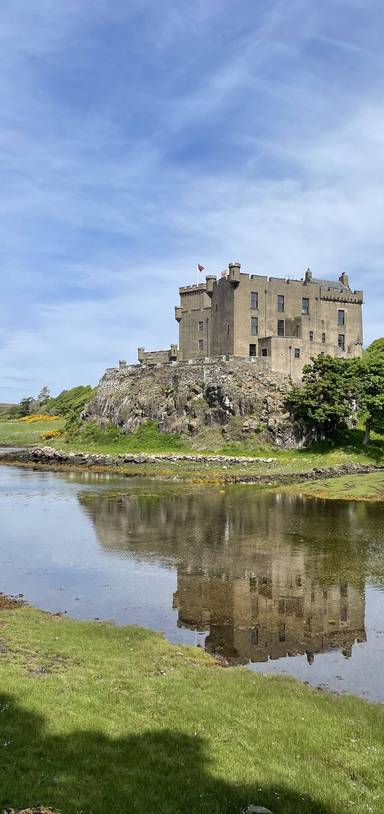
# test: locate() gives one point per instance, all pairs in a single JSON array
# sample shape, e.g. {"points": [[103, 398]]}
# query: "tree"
{"points": [[43, 395], [25, 406], [372, 388], [324, 403], [377, 346]]}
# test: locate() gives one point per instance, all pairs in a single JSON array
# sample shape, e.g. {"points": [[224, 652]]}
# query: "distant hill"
{"points": [[5, 407]]}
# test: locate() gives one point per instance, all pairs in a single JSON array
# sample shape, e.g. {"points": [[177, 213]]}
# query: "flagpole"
{"points": [[199, 269]]}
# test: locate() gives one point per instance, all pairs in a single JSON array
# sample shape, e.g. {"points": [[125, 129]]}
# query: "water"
{"points": [[280, 582]]}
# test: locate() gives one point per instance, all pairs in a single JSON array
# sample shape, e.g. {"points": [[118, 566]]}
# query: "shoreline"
{"points": [[146, 464]]}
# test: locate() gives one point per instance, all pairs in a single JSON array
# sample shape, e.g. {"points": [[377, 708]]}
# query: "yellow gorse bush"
{"points": [[46, 436], [30, 419]]}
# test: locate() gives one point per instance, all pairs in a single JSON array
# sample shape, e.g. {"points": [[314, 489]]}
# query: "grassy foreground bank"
{"points": [[347, 487], [98, 718]]}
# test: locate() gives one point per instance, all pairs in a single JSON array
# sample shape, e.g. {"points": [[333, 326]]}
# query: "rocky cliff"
{"points": [[206, 400]]}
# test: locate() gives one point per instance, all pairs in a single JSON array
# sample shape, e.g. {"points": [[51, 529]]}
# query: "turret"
{"points": [[308, 276], [234, 273], [210, 281]]}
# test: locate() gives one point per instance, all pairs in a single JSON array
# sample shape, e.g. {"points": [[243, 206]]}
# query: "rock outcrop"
{"points": [[208, 400]]}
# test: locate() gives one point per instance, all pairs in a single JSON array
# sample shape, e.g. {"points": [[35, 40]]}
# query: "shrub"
{"points": [[30, 419], [47, 436]]}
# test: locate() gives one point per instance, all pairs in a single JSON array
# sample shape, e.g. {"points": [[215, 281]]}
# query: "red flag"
{"points": [[200, 267]]}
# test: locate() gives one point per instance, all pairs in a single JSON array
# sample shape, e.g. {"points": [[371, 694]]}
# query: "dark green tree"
{"points": [[372, 388], [377, 346], [25, 406], [326, 400]]}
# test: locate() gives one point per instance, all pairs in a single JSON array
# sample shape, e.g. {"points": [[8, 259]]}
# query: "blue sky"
{"points": [[139, 137]]}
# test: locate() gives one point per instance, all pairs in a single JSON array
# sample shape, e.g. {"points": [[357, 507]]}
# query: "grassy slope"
{"points": [[98, 718], [348, 487], [149, 439], [285, 461], [17, 433], [4, 407]]}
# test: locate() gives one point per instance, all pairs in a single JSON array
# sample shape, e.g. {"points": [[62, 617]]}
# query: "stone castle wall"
{"points": [[290, 321], [207, 399]]}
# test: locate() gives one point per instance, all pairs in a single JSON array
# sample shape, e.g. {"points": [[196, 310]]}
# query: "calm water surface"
{"points": [[280, 582]]}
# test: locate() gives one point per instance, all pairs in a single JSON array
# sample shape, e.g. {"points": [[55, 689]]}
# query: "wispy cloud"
{"points": [[137, 139]]}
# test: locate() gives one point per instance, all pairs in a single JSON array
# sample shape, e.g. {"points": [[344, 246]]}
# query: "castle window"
{"points": [[201, 326], [254, 299], [297, 353], [201, 344], [305, 305], [280, 327], [311, 336], [282, 632], [254, 326], [252, 350], [264, 351], [341, 318], [228, 328], [341, 341], [323, 338], [255, 636], [280, 302]]}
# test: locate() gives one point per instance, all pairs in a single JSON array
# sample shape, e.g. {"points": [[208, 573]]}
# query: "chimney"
{"points": [[308, 276], [344, 279]]}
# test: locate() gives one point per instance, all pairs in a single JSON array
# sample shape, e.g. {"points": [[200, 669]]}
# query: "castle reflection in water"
{"points": [[266, 574]]}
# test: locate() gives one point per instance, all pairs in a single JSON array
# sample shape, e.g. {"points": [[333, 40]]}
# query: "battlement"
{"points": [[192, 289], [154, 357]]}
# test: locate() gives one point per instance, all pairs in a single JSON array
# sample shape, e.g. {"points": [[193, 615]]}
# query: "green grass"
{"points": [[110, 440], [147, 438], [348, 449], [348, 487], [17, 433], [97, 718]]}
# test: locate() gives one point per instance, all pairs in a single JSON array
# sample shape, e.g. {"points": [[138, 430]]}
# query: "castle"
{"points": [[280, 324]]}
